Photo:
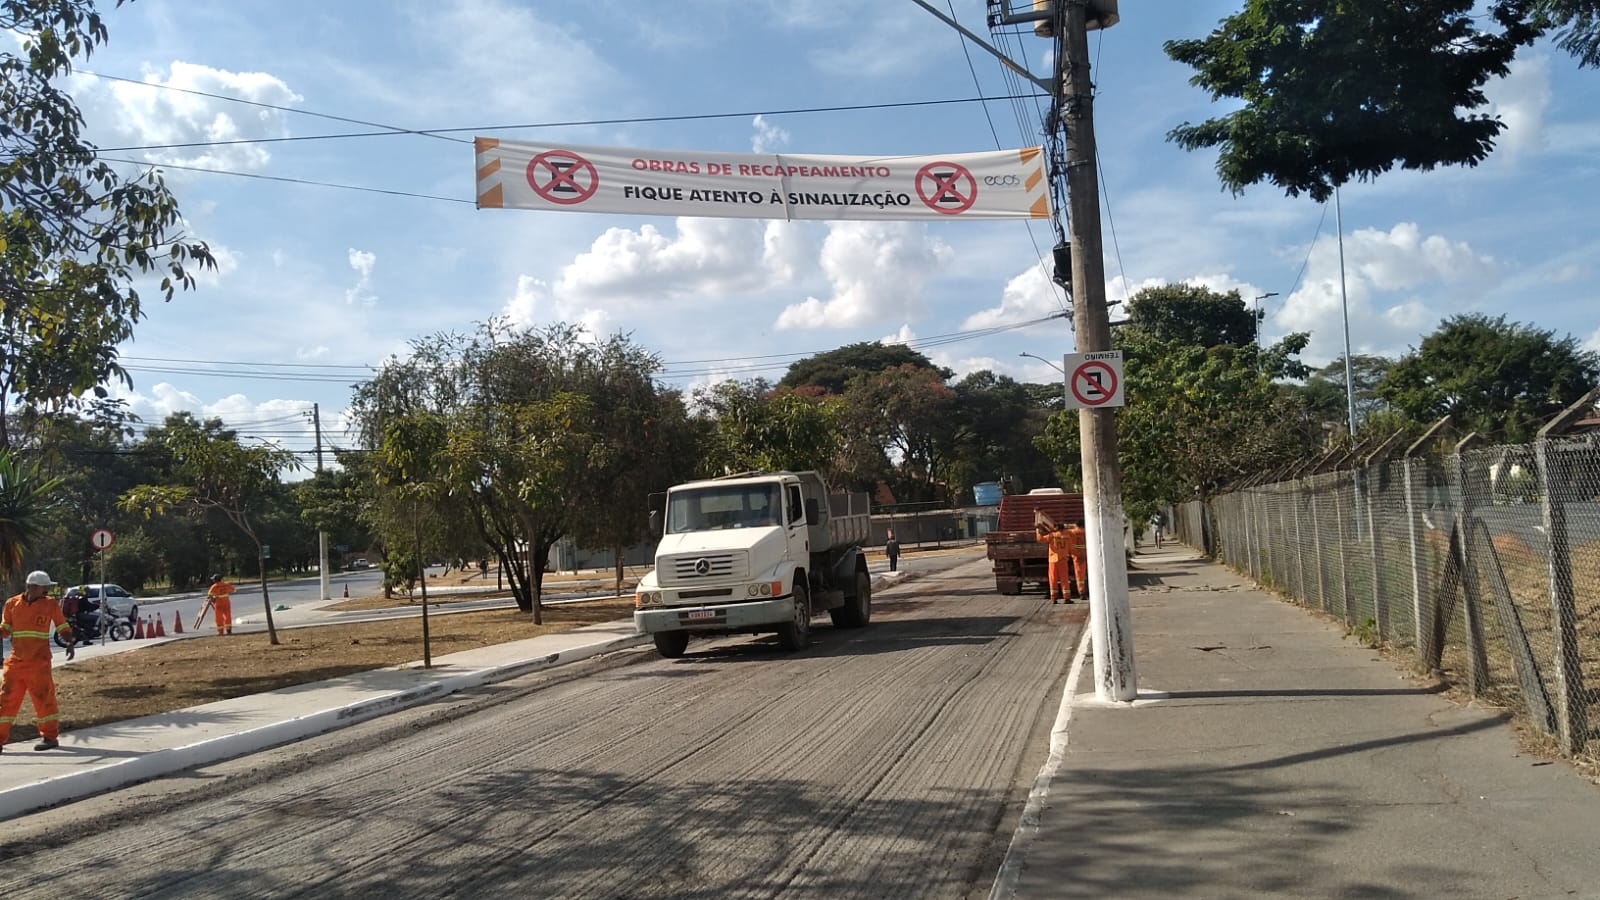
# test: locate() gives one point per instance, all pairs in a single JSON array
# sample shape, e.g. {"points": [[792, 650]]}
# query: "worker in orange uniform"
{"points": [[1059, 543], [221, 597], [27, 620], [1078, 547]]}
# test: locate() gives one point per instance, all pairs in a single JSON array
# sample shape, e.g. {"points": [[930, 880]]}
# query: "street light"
{"points": [[1064, 385], [1046, 362], [1258, 316]]}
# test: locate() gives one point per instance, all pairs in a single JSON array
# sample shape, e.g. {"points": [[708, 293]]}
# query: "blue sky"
{"points": [[315, 278]]}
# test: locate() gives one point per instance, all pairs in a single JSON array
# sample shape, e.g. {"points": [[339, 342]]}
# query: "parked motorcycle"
{"points": [[86, 624]]}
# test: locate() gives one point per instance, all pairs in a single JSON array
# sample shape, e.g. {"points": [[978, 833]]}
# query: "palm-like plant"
{"points": [[23, 496]]}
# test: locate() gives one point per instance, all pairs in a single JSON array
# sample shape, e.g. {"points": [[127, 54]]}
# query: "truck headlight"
{"points": [[752, 590]]}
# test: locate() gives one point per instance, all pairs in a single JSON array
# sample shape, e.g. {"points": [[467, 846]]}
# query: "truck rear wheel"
{"points": [[857, 611], [796, 633], [671, 644]]}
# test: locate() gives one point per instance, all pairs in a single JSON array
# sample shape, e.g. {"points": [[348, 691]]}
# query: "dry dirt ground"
{"points": [[190, 672]]}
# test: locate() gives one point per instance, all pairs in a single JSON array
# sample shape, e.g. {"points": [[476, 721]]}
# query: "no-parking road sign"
{"points": [[1094, 380]]}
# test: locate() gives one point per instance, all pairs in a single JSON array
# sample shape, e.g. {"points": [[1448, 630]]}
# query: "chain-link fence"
{"points": [[1484, 564]]}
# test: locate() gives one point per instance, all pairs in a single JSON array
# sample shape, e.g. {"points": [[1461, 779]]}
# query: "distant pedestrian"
{"points": [[220, 596], [27, 620], [1157, 520], [891, 549]]}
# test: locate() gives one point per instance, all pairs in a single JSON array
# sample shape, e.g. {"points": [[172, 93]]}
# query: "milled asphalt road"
{"points": [[888, 761]]}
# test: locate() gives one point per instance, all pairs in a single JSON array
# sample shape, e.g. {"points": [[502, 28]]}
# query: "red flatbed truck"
{"points": [[1014, 548]]}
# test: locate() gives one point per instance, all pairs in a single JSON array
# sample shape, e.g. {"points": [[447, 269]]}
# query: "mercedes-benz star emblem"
{"points": [[702, 567]]}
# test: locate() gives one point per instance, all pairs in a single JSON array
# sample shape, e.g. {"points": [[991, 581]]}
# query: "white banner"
{"points": [[1000, 184]]}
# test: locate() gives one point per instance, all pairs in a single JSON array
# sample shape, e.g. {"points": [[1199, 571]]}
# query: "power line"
{"points": [[288, 109], [677, 369], [286, 180], [574, 123]]}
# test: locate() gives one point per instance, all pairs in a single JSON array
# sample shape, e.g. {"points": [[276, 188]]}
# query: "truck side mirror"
{"points": [[813, 516], [655, 521]]}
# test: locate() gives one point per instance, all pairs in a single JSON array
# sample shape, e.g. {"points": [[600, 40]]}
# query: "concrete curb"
{"points": [[93, 780], [1010, 875]]}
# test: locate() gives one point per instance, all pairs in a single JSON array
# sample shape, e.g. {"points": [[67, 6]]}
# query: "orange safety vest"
{"points": [[28, 625], [1078, 542], [1059, 544]]}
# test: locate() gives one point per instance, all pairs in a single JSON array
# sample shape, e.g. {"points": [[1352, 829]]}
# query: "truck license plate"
{"points": [[702, 614]]}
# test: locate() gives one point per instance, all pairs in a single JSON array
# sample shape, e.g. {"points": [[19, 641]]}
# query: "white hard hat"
{"points": [[41, 578]]}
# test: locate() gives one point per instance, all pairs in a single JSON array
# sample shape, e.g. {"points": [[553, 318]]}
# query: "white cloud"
{"points": [[1593, 343], [878, 271], [1029, 295], [534, 304], [904, 336], [552, 71], [159, 111], [1520, 100], [769, 138], [705, 257], [361, 292], [1436, 275]]}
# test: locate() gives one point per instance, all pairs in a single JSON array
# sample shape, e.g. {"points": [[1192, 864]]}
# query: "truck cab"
{"points": [[758, 552]]}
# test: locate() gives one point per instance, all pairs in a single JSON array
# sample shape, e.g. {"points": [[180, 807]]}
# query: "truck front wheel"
{"points": [[671, 644], [796, 633]]}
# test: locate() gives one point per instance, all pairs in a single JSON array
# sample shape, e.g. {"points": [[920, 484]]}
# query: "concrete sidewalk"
{"points": [[1286, 760]]}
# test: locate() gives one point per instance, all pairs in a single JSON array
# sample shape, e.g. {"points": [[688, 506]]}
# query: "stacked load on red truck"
{"points": [[1018, 556]]}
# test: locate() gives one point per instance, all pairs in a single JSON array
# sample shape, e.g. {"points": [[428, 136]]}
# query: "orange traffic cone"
{"points": [[347, 592], [161, 630], [177, 623], [138, 629]]}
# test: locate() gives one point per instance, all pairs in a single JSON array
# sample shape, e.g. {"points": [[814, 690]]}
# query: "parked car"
{"points": [[121, 603], [360, 563]]}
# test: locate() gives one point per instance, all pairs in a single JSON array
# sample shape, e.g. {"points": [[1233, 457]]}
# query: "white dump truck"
{"points": [[756, 552]]}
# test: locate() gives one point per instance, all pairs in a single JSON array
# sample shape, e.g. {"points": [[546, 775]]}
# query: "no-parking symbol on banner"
{"points": [[1094, 380]]}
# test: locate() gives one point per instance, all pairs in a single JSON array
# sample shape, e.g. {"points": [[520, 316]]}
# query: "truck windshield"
{"points": [[724, 506]]}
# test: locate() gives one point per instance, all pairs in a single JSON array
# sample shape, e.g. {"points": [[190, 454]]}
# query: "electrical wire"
{"points": [[1317, 234], [257, 103], [574, 123], [679, 369], [287, 180]]}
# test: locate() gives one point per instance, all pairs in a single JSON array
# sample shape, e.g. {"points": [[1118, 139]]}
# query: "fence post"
{"points": [[1316, 548], [1477, 655], [1572, 698], [1380, 601], [1344, 563], [1414, 533]]}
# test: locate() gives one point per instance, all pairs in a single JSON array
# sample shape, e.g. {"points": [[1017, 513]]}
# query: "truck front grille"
{"points": [[698, 567]]}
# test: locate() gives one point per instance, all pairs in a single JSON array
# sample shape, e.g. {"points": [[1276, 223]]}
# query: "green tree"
{"points": [[1501, 379], [1332, 90], [24, 497], [1577, 26], [906, 414], [536, 432], [992, 432], [757, 428], [1192, 314], [832, 371], [221, 476], [73, 232]]}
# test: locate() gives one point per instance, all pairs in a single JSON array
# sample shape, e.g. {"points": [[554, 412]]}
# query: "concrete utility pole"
{"points": [[1110, 621], [322, 536]]}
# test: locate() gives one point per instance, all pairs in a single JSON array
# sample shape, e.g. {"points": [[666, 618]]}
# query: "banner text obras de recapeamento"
{"points": [[998, 184]]}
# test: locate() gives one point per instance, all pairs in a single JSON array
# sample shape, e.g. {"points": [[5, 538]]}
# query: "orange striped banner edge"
{"points": [[1041, 208], [493, 198]]}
